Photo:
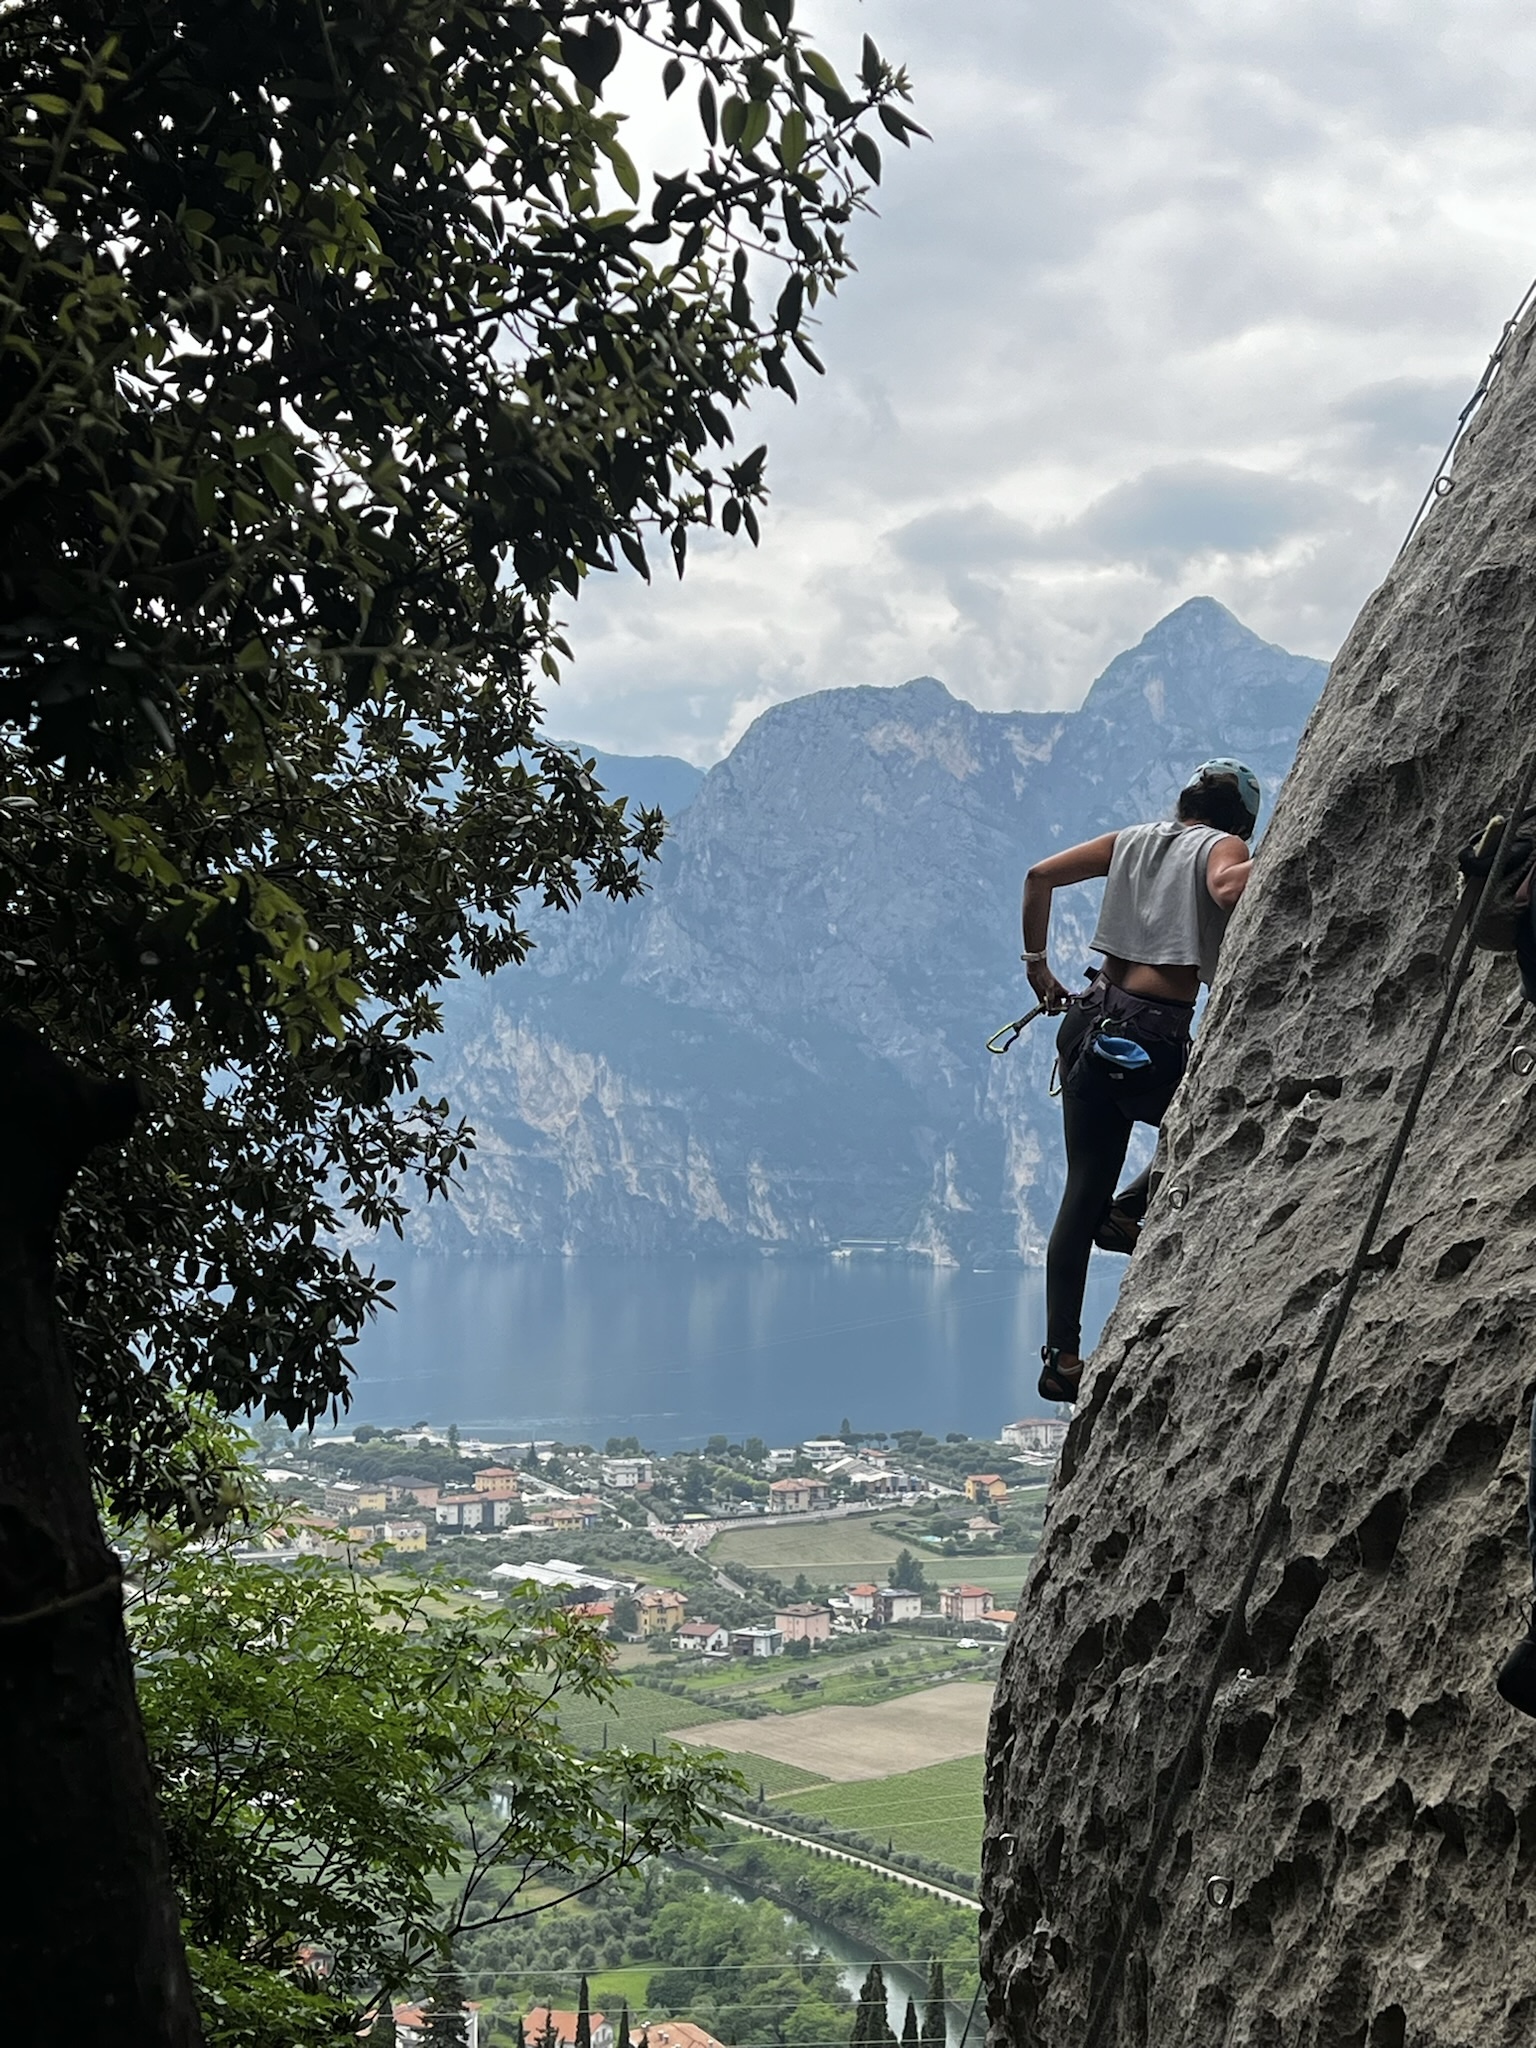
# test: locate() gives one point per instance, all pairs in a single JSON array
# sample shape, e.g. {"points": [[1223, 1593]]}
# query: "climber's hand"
{"points": [[1048, 988]]}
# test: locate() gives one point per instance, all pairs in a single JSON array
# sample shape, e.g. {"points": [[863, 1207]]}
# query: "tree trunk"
{"points": [[90, 1941]]}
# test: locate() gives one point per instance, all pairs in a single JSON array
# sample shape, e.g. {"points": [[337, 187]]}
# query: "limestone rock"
{"points": [[1365, 1794]]}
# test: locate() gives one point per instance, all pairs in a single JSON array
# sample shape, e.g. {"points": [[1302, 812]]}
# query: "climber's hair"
{"points": [[1215, 800]]}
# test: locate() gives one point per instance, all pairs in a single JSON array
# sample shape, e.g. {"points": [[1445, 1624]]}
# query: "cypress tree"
{"points": [[621, 2038], [871, 2027], [583, 2017], [909, 2033], [934, 2016]]}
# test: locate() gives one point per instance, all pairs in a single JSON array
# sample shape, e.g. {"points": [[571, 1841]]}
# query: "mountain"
{"points": [[782, 1046]]}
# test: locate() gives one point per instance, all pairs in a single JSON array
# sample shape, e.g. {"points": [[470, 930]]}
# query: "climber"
{"points": [[1123, 1044]]}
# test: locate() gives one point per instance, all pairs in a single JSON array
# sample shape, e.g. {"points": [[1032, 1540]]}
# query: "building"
{"points": [[677, 2034], [662, 1610], [803, 1623], [985, 1486], [980, 1526], [499, 1481], [406, 1535], [860, 1472], [625, 1474], [897, 1603], [547, 2024], [778, 1459], [703, 1638], [411, 2026], [1044, 1437], [862, 1602], [424, 1492], [821, 1450], [473, 1511], [593, 1610], [756, 1642], [348, 1498], [964, 1603], [795, 1496]]}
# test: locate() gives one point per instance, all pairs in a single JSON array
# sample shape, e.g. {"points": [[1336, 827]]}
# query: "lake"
{"points": [[675, 1350]]}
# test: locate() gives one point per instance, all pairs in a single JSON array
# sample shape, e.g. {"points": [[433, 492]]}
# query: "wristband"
{"points": [[1032, 957]]}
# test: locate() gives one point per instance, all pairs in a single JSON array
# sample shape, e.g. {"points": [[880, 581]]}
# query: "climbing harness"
{"points": [[1187, 1769]]}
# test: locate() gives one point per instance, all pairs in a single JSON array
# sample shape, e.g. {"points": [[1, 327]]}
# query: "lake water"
{"points": [[676, 1350]]}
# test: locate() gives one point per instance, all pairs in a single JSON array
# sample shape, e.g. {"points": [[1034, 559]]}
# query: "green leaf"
{"points": [[623, 168], [733, 120], [707, 109], [823, 70], [792, 134], [755, 125], [49, 103], [252, 655], [868, 154], [671, 75]]}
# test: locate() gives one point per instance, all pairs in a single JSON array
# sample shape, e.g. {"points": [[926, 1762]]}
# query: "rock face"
{"points": [[783, 1044], [1369, 1798]]}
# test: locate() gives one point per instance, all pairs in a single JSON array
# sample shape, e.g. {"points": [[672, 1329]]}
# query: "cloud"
{"points": [[1179, 299]]}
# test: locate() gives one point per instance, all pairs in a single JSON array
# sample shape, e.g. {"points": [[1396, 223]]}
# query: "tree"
{"points": [[445, 2020], [871, 2023], [909, 2029], [935, 2010], [327, 1747], [583, 2016], [908, 1572], [626, 1615], [621, 2033], [341, 347]]}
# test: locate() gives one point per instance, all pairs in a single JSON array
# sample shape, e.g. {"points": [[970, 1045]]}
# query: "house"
{"points": [[980, 1525], [897, 1603], [549, 2024], [821, 1450], [964, 1603], [406, 1535], [860, 1472], [499, 1481], [862, 1602], [592, 1610], [348, 1498], [795, 1496], [677, 2034], [662, 1610], [625, 1474], [778, 1459], [318, 1536], [803, 1623], [756, 1642], [704, 1638], [985, 1486], [473, 1511], [411, 2025], [1045, 1437], [1004, 1617], [423, 1492]]}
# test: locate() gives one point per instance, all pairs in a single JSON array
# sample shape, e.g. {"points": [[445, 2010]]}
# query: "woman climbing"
{"points": [[1123, 1045]]}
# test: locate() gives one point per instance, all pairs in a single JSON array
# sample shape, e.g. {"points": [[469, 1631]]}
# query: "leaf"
{"points": [[104, 141], [823, 70], [871, 65], [252, 655], [49, 103], [791, 303], [707, 109], [733, 119], [671, 75], [591, 56], [868, 154], [755, 126], [623, 167], [792, 139]]}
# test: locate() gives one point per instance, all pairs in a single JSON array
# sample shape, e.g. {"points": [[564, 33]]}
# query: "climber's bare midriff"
{"points": [[1153, 984]]}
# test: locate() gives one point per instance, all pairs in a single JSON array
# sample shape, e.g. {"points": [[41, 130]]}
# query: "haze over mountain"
{"points": [[782, 1046]]}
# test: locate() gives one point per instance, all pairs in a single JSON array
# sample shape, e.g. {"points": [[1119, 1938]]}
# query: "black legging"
{"points": [[1097, 1112]]}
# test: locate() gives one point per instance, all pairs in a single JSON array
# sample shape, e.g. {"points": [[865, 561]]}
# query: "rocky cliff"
{"points": [[1368, 1799], [783, 1044]]}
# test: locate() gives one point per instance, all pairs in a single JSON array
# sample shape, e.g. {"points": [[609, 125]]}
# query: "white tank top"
{"points": [[1157, 909]]}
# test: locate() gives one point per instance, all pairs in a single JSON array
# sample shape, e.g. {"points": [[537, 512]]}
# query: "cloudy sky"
{"points": [[1182, 297]]}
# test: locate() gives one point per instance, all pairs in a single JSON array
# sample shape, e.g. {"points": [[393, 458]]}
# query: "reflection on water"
{"points": [[675, 1350]]}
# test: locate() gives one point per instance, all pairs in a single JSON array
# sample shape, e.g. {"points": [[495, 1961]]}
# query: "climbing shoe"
{"points": [[1117, 1232], [1517, 1674], [1058, 1382]]}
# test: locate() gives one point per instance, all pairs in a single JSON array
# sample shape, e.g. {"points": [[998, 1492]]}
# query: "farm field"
{"points": [[1003, 1574], [850, 1549], [932, 1812], [637, 1717], [845, 1743]]}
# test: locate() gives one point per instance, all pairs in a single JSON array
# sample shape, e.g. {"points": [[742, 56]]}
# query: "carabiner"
{"points": [[1015, 1031]]}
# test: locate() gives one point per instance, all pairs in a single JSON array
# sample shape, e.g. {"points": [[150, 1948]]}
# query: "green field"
{"points": [[636, 1718], [1003, 1574], [932, 1812], [608, 1987], [771, 1775], [840, 1550]]}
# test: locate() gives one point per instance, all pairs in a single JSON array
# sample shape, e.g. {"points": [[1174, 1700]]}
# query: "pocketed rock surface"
{"points": [[1368, 1797]]}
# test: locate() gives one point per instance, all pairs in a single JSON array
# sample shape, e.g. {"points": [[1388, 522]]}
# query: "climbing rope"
{"points": [[1233, 1633], [1441, 484]]}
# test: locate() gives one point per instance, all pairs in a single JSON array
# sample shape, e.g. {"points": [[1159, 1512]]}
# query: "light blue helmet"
{"points": [[1247, 783]]}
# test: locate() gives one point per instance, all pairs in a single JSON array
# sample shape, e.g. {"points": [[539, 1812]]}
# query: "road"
{"points": [[916, 1884]]}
